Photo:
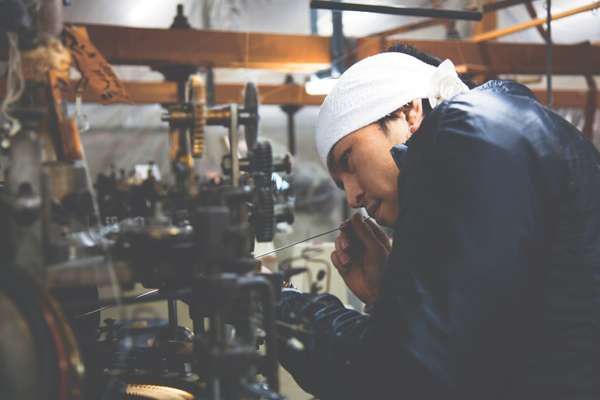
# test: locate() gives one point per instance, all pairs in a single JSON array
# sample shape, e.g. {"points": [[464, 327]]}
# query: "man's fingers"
{"points": [[338, 264], [342, 242], [381, 235], [265, 270], [364, 232]]}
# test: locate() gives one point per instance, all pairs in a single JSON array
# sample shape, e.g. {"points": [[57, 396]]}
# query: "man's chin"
{"points": [[384, 221], [385, 216]]}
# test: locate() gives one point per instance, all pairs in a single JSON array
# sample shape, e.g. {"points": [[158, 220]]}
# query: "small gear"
{"points": [[155, 392], [261, 163], [264, 215], [197, 136], [262, 159]]}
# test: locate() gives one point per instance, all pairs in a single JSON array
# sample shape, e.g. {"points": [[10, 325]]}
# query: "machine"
{"points": [[188, 240]]}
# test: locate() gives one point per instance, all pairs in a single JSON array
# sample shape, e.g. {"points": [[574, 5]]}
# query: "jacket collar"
{"points": [[505, 86]]}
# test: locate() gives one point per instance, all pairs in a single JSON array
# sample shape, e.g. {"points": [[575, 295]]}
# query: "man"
{"points": [[492, 287]]}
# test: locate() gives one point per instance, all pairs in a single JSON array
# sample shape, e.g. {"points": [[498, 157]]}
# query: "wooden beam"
{"points": [[154, 47], [220, 49], [410, 27], [499, 5], [531, 24], [566, 98], [489, 22], [166, 93], [499, 57], [269, 95]]}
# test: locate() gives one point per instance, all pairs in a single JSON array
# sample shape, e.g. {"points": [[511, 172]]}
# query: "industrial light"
{"points": [[316, 86]]}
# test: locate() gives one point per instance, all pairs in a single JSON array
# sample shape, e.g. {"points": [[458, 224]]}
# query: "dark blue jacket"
{"points": [[492, 290]]}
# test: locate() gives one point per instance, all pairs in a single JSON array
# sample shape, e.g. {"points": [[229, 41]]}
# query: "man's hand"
{"points": [[360, 253]]}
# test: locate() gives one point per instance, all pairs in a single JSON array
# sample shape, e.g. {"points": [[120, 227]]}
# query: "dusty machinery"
{"points": [[189, 241]]}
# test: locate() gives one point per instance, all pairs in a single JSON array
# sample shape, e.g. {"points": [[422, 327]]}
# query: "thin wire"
{"points": [[287, 246], [139, 296], [257, 257]]}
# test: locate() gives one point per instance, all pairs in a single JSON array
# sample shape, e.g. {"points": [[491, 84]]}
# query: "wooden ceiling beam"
{"points": [[499, 57], [269, 94], [155, 47], [414, 26], [150, 92], [159, 47]]}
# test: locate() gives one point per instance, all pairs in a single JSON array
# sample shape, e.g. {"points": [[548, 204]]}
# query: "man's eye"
{"points": [[345, 161]]}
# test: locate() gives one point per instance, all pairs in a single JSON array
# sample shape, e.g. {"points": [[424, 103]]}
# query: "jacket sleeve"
{"points": [[347, 356]]}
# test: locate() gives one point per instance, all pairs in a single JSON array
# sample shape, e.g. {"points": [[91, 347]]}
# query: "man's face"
{"points": [[364, 168]]}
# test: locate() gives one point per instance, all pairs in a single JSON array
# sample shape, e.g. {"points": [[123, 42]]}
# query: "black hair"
{"points": [[426, 58]]}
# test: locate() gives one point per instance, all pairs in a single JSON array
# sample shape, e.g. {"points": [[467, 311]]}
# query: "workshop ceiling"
{"points": [[292, 16]]}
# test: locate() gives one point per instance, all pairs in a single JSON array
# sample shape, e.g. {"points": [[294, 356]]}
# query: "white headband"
{"points": [[377, 86]]}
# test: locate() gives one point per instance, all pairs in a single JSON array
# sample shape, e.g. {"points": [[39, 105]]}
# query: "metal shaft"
{"points": [[549, 99], [394, 10]]}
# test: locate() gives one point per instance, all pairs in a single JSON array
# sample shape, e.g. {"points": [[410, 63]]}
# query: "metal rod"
{"points": [[337, 44], [173, 320], [485, 9], [295, 243], [549, 52], [393, 10], [314, 29], [291, 133], [499, 5], [268, 300], [233, 145]]}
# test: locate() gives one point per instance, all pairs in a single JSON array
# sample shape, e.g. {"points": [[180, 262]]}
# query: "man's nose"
{"points": [[354, 193]]}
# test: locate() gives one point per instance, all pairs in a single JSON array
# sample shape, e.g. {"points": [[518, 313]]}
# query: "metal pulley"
{"points": [[247, 115], [268, 209], [193, 116], [260, 159]]}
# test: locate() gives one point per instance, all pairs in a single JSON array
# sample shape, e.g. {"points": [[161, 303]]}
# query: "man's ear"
{"points": [[415, 115]]}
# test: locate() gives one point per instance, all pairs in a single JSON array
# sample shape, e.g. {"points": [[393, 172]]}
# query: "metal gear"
{"points": [[249, 114], [262, 159], [261, 163], [264, 215], [197, 136], [155, 392]]}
